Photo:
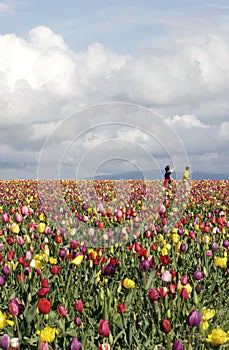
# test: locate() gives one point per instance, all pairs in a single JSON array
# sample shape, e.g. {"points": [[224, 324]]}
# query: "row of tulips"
{"points": [[113, 265]]}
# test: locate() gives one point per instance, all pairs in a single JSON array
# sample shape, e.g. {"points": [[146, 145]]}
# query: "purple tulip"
{"points": [[83, 249], [226, 243], [194, 318], [198, 288], [183, 247], [181, 231], [215, 246], [198, 275], [6, 270], [78, 321], [5, 342], [2, 280], [177, 345], [75, 344], [144, 265], [62, 252], [108, 270]]}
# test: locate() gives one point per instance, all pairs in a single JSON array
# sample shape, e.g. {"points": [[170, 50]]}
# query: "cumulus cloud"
{"points": [[43, 81], [188, 121]]}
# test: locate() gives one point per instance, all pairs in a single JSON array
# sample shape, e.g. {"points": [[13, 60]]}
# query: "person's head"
{"points": [[167, 168], [187, 168]]}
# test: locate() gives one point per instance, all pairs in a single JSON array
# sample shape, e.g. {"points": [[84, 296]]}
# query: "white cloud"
{"points": [[224, 131], [188, 121], [42, 81]]}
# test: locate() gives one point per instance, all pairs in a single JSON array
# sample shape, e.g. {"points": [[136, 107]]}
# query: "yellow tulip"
{"points": [[41, 227], [217, 337], [4, 322], [47, 334], [77, 260], [128, 283], [15, 228], [220, 262]]}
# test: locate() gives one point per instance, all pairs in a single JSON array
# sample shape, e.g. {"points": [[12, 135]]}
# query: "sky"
{"points": [[108, 86]]}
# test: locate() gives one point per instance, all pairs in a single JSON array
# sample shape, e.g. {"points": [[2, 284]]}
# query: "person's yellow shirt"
{"points": [[186, 175]]}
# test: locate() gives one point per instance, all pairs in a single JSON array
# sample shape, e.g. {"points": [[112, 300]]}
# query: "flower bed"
{"points": [[113, 265]]}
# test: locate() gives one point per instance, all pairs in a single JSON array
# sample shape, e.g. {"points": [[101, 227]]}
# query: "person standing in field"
{"points": [[168, 178], [186, 180]]}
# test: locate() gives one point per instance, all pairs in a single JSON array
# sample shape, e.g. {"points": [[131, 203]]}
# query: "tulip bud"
{"points": [[177, 345], [75, 344], [78, 321], [195, 298], [184, 280], [165, 325], [145, 265], [184, 293], [5, 341], [2, 281], [194, 318], [153, 294], [104, 329], [198, 275], [79, 305], [121, 308]]}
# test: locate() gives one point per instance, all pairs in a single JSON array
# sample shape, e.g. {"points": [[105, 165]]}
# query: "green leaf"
{"points": [[30, 314]]}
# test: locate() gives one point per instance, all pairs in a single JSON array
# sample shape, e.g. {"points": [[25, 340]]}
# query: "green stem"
{"points": [[17, 329]]}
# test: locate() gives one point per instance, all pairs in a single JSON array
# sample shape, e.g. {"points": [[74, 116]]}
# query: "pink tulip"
{"points": [[6, 217], [79, 305], [166, 276], [18, 218], [20, 240], [104, 329], [24, 210], [43, 346], [62, 311]]}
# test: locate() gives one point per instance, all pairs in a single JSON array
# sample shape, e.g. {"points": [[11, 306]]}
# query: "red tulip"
{"points": [[121, 308], [44, 283], [79, 305], [153, 294], [165, 325], [172, 288], [184, 293], [165, 260], [55, 270], [163, 292], [44, 306], [105, 347], [104, 329], [43, 292]]}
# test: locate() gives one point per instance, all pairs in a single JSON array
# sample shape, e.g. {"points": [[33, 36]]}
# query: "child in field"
{"points": [[168, 178], [186, 180]]}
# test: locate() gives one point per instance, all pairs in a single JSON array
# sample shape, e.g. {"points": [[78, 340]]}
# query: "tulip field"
{"points": [[114, 265]]}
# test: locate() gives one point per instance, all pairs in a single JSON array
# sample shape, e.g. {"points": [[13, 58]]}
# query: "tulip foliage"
{"points": [[113, 265]]}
